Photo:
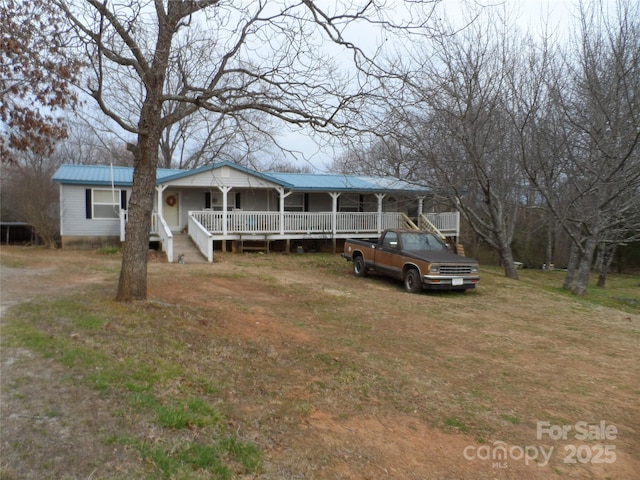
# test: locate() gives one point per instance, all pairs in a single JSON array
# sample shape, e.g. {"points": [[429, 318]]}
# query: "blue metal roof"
{"points": [[123, 176], [341, 183], [102, 175]]}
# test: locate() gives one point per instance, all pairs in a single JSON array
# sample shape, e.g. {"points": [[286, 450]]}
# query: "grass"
{"points": [[190, 459], [620, 291], [233, 368], [65, 331], [109, 251]]}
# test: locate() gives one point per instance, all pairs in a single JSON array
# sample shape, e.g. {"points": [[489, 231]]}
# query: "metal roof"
{"points": [[341, 183], [307, 182], [102, 175]]}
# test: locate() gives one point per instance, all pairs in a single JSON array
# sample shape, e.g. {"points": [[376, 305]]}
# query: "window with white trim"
{"points": [[105, 203]]}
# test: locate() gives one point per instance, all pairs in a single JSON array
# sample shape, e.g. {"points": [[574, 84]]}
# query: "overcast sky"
{"points": [[532, 15]]}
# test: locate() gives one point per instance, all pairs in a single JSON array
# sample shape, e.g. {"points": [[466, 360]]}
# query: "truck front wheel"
{"points": [[412, 283], [359, 268]]}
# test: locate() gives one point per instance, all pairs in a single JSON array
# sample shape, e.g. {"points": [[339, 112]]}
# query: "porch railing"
{"points": [[155, 230], [244, 222], [201, 237], [165, 236], [446, 222]]}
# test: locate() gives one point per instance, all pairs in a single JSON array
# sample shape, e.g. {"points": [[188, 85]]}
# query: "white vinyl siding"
{"points": [[229, 177], [73, 215]]}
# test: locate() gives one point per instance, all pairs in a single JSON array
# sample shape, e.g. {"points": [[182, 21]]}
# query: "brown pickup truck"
{"points": [[420, 259]]}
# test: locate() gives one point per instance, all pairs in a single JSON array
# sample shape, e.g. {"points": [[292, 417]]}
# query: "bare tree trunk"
{"points": [[506, 258], [510, 270], [572, 265], [584, 267], [607, 258], [132, 284], [548, 257]]}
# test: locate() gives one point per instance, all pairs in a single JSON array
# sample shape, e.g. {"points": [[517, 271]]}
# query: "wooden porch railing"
{"points": [[207, 225], [245, 222], [446, 222], [240, 222]]}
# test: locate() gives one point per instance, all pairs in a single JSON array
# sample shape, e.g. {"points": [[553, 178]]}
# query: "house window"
{"points": [[294, 203], [214, 200], [350, 203], [105, 203]]}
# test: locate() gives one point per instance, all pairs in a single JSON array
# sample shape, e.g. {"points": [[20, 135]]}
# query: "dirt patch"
{"points": [[51, 428], [337, 377]]}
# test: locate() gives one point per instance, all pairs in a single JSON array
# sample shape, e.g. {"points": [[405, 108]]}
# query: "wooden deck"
{"points": [[284, 225], [207, 226]]}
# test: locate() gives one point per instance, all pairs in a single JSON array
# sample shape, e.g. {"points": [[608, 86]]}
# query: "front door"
{"points": [[171, 209]]}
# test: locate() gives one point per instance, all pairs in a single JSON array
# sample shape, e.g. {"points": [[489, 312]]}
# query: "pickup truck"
{"points": [[418, 258]]}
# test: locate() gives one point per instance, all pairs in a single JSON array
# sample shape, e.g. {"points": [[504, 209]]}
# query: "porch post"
{"points": [[380, 196], [334, 218], [420, 208], [283, 195], [159, 204], [225, 202]]}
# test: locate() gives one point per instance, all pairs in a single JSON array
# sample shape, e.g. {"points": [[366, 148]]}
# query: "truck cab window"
{"points": [[390, 240]]}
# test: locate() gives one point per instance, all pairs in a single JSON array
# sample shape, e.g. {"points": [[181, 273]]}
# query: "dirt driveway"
{"points": [[343, 378]]}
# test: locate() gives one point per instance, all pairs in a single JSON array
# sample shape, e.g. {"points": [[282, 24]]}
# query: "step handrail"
{"points": [[430, 226]]}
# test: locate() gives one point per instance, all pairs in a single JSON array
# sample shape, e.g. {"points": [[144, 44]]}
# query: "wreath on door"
{"points": [[171, 200]]}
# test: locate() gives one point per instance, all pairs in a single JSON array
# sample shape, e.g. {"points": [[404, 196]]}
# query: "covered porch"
{"points": [[207, 226], [226, 203]]}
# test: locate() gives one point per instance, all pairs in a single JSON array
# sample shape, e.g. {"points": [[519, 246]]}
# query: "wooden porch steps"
{"points": [[253, 246], [460, 249], [183, 245]]}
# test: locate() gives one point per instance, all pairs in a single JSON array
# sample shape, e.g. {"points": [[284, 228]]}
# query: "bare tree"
{"points": [[259, 56], [35, 78], [207, 136], [591, 176], [31, 196], [88, 146], [459, 128]]}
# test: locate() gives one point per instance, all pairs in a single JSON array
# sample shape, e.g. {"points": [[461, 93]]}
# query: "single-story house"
{"points": [[224, 202]]}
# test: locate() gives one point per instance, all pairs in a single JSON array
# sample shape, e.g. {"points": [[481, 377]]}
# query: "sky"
{"points": [[531, 15]]}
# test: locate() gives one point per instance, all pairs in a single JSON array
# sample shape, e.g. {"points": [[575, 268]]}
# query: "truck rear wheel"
{"points": [[359, 267], [412, 283]]}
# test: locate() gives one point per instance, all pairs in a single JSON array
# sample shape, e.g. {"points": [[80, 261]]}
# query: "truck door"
{"points": [[387, 255]]}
